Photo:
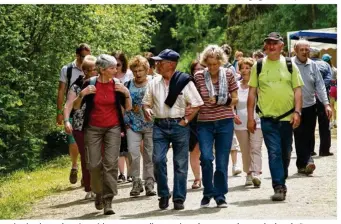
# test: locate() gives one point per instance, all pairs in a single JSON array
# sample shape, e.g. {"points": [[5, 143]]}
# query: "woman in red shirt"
{"points": [[103, 123]]}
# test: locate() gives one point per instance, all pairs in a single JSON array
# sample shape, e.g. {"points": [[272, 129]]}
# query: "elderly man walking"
{"points": [[313, 83], [279, 104], [165, 100]]}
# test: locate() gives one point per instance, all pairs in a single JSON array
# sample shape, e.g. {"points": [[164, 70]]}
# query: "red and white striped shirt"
{"points": [[214, 112]]}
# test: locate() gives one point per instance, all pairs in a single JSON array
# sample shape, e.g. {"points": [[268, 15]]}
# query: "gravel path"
{"points": [[308, 198]]}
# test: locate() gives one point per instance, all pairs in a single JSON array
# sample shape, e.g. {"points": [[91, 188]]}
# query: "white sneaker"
{"points": [[256, 180], [248, 181], [90, 195], [236, 170]]}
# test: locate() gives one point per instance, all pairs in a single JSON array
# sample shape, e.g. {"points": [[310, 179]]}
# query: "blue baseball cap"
{"points": [[326, 57], [167, 54]]}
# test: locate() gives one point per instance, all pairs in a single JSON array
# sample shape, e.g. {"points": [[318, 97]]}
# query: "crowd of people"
{"points": [[118, 111]]}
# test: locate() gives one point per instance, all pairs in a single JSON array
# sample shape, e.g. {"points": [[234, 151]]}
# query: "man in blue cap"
{"points": [[165, 100]]}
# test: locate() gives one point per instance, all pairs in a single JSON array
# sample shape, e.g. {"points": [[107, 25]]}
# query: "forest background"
{"points": [[37, 40]]}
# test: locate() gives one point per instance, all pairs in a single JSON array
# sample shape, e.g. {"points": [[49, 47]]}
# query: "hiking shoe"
{"points": [[107, 207], [236, 170], [221, 203], [121, 178], [256, 180], [73, 176], [309, 169], [89, 195], [248, 181], [137, 188], [164, 202], [99, 202], [129, 178], [178, 205], [205, 202], [149, 187], [280, 194]]}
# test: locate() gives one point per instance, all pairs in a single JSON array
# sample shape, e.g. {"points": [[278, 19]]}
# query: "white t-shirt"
{"points": [[128, 76], [241, 109]]}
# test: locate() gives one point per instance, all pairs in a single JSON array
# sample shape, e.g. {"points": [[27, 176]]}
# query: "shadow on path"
{"points": [[256, 202], [72, 203], [93, 215]]}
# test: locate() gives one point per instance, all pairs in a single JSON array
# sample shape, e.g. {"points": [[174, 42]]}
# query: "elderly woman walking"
{"points": [[103, 123], [218, 89]]}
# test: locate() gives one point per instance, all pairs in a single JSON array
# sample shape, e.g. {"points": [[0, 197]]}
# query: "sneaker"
{"points": [[89, 195], [99, 202], [137, 188], [164, 202], [256, 180], [205, 202], [149, 187], [280, 194], [178, 205], [236, 170], [130, 179], [107, 207], [196, 184], [221, 203], [121, 178], [73, 176], [248, 181], [309, 169]]}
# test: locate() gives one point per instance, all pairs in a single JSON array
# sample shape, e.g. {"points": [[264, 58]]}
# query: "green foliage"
{"points": [[36, 41]]}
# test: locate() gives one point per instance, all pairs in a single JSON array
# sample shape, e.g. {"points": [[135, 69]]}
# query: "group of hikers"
{"points": [[117, 110]]}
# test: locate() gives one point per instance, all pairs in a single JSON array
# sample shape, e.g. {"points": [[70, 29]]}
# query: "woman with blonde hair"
{"points": [[218, 89]]}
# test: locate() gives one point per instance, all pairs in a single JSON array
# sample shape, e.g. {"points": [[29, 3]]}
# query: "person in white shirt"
{"points": [[250, 143], [165, 101]]}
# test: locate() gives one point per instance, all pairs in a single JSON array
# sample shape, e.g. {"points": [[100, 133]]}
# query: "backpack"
{"points": [[259, 70], [93, 80], [68, 76]]}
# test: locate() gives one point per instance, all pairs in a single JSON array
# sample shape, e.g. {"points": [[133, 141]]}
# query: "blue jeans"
{"points": [[278, 141], [164, 133], [220, 133]]}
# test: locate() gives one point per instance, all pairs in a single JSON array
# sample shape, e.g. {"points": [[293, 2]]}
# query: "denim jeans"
{"points": [[164, 133], [220, 133], [278, 140]]}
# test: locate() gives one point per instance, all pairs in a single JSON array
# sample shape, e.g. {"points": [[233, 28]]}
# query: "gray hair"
{"points": [[104, 61], [213, 51], [301, 42]]}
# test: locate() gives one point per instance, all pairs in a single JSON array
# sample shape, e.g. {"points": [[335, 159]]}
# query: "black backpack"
{"points": [[259, 70], [68, 76]]}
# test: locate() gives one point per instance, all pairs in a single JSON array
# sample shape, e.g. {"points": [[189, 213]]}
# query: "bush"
{"points": [[56, 145]]}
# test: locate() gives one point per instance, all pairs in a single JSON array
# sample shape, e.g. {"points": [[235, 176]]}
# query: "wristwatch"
{"points": [[297, 112]]}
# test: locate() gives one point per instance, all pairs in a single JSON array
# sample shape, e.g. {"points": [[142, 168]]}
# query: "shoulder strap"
{"points": [[127, 84], [259, 66], [289, 64], [68, 76], [93, 80]]}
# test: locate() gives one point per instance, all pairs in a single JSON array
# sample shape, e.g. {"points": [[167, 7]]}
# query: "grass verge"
{"points": [[21, 189]]}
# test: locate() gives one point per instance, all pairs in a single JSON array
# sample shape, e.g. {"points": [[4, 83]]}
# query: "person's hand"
{"points": [[237, 120], [59, 119], [328, 110], [148, 113], [119, 87], [68, 127], [182, 123], [188, 110], [295, 120], [251, 125], [90, 89], [122, 134]]}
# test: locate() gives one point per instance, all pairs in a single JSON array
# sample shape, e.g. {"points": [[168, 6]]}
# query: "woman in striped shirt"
{"points": [[218, 89]]}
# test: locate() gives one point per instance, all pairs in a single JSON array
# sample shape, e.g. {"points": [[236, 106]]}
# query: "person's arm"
{"points": [[87, 89], [147, 103], [60, 101], [251, 101], [296, 116], [119, 87], [234, 98], [67, 110]]}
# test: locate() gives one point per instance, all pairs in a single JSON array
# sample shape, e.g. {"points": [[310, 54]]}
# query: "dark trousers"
{"points": [[324, 131], [305, 137]]}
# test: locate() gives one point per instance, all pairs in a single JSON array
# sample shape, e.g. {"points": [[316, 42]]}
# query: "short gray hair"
{"points": [[104, 61], [301, 42], [213, 51]]}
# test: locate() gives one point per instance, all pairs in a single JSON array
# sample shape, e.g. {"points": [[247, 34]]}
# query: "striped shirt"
{"points": [[214, 112], [157, 92]]}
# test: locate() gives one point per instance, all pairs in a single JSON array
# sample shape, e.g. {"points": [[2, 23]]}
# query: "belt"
{"points": [[168, 119]]}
